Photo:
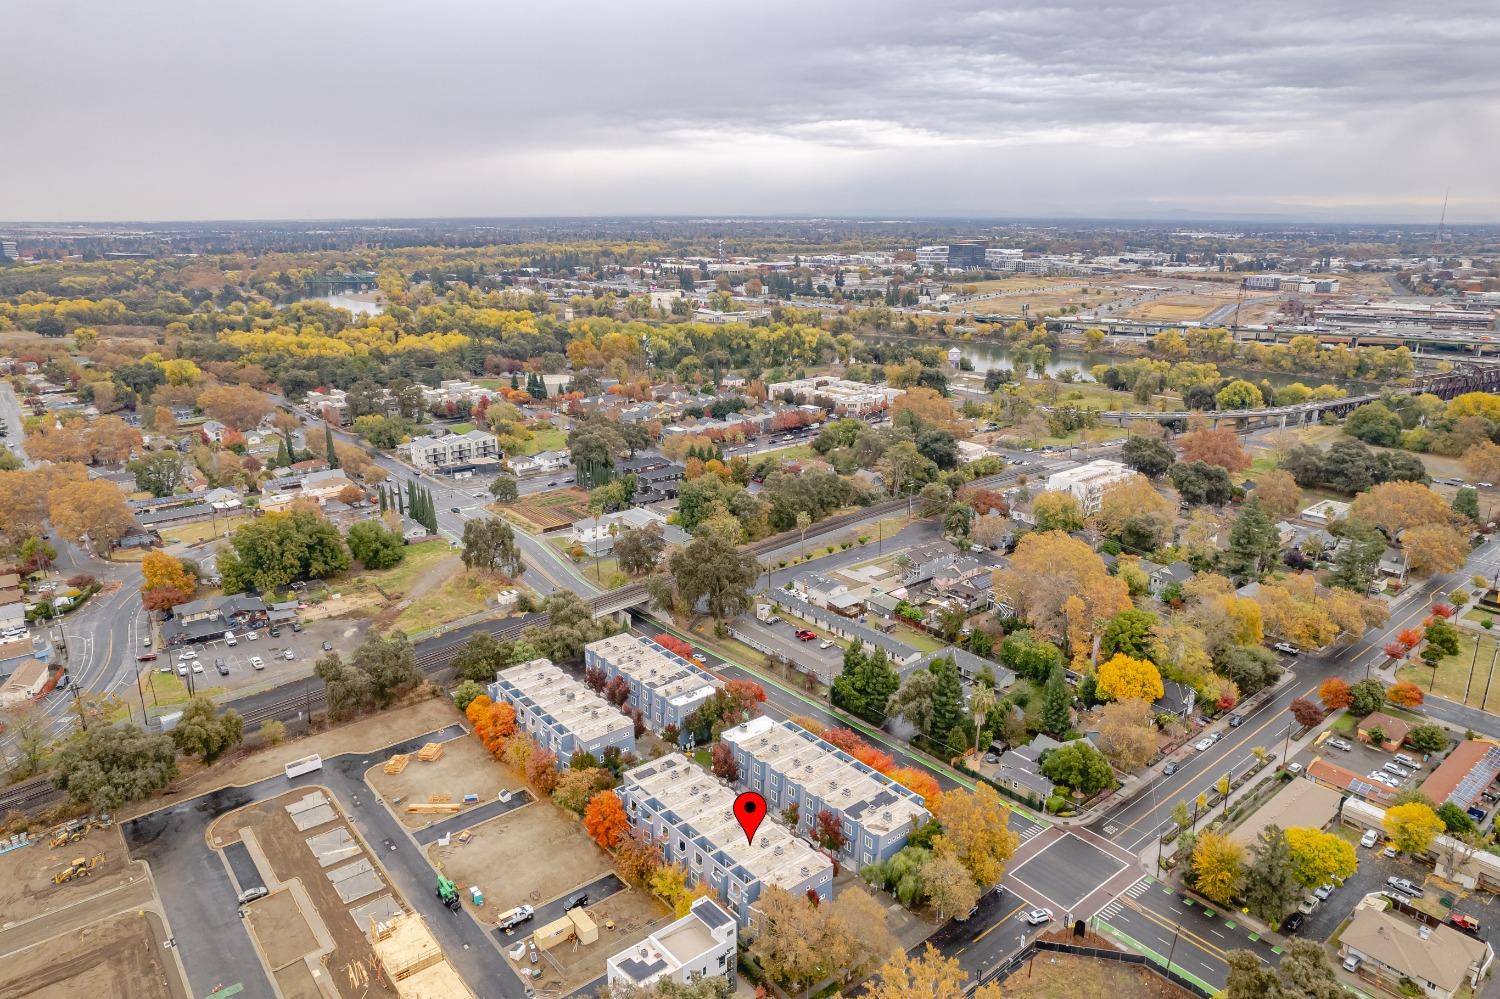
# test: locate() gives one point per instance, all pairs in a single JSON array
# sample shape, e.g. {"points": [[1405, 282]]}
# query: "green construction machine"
{"points": [[448, 892]]}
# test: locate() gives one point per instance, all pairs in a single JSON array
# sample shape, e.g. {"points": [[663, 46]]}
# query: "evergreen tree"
{"points": [[1056, 704], [1466, 503], [333, 458], [429, 508], [382, 497], [1360, 560], [283, 453], [1270, 884], [411, 499], [541, 388], [948, 700], [515, 381], [1253, 543]]}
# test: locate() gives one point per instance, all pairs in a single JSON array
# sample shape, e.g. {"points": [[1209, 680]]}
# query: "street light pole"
{"points": [[1489, 678]]}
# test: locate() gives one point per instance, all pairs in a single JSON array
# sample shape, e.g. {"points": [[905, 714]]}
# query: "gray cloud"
{"points": [[285, 108]]}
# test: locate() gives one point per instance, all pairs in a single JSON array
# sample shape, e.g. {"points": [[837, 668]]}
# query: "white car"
{"points": [[1203, 744], [288, 654], [256, 663], [251, 636], [197, 667], [1287, 647], [825, 644], [189, 654], [1370, 838], [1038, 917]]}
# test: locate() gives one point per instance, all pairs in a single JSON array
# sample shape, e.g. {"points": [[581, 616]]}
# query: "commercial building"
{"points": [[25, 683], [1391, 948], [932, 256], [1301, 803], [1339, 778], [1088, 483], [201, 620], [966, 255], [321, 487], [791, 767], [839, 395], [664, 686], [691, 815], [1466, 775], [699, 945], [454, 449], [561, 714]]}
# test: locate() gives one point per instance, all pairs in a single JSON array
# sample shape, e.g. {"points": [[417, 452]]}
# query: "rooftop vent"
{"points": [[777, 851]]}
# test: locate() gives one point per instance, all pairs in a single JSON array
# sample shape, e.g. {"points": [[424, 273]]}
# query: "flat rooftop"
{"points": [[571, 705], [704, 808], [664, 672], [832, 775]]}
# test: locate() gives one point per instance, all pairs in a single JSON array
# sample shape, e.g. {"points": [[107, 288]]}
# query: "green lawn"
{"points": [[461, 428], [548, 439], [1453, 672], [1478, 616], [1343, 724], [164, 690], [397, 580]]}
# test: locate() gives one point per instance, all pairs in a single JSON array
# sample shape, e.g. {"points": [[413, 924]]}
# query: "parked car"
{"points": [[222, 667], [1390, 853], [515, 917], [1038, 917], [1406, 887], [251, 894], [1294, 769], [289, 654], [825, 644], [274, 632], [1342, 744], [1288, 648], [187, 654], [1351, 963], [327, 646], [1170, 769], [806, 636], [1203, 744], [1309, 905], [197, 667], [1466, 923], [1322, 892], [230, 640], [297, 627], [251, 636], [576, 902], [1370, 838], [256, 663], [1236, 720], [1293, 923]]}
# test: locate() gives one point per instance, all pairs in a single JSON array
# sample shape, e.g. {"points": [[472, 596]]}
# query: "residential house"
{"points": [[541, 463], [702, 944], [1162, 577], [679, 805], [1394, 730], [321, 487], [1325, 512], [1020, 770], [597, 534], [560, 714], [1393, 949], [210, 617], [792, 768], [925, 561], [1177, 699], [25, 683], [664, 687]]}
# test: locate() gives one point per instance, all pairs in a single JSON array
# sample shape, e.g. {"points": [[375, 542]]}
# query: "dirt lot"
{"points": [[464, 769], [26, 887], [116, 957], [1176, 308], [358, 736], [1066, 976], [570, 965], [281, 929], [500, 859], [286, 850], [551, 510]]}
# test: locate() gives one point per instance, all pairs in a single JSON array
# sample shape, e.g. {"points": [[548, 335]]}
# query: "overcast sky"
{"points": [[196, 109]]}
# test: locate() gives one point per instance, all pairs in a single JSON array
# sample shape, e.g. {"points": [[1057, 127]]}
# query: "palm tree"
{"points": [[980, 702]]}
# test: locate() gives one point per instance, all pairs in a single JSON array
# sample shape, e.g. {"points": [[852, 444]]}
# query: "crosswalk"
{"points": [[1029, 832], [1136, 890]]}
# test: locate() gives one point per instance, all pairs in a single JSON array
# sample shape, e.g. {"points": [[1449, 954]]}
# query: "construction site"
{"points": [[327, 896], [88, 859], [120, 956], [456, 775]]}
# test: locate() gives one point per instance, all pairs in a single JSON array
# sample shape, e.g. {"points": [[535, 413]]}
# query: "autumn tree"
{"points": [[1046, 569], [1215, 447], [1434, 549], [237, 406], [1271, 887], [95, 507], [1218, 867], [1127, 733], [1319, 857], [1298, 609], [1334, 693], [1395, 506], [1123, 677], [1279, 494], [930, 976], [976, 832], [1057, 511], [1135, 501], [605, 819], [1412, 827], [541, 769], [1405, 694], [724, 766], [1482, 460], [1306, 712]]}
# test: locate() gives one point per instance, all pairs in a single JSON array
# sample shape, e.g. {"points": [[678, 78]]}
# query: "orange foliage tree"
{"points": [[476, 709], [1404, 694], [605, 819], [541, 769], [916, 780], [1334, 693]]}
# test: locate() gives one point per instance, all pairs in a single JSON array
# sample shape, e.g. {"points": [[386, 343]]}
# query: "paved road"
{"points": [[200, 898]]}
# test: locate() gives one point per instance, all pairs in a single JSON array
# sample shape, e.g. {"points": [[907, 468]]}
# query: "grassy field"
{"points": [[168, 689], [1453, 672], [397, 581], [546, 439], [461, 594], [191, 534], [461, 428]]}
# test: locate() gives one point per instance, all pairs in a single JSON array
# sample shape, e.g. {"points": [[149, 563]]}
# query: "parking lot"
{"points": [[1363, 759], [239, 672]]}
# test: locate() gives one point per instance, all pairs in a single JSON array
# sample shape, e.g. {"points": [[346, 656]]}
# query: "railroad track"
{"points": [[28, 795]]}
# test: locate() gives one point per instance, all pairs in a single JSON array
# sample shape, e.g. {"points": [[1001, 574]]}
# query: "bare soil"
{"points": [[1068, 976], [296, 982], [281, 929], [116, 958], [464, 769], [635, 916], [26, 887], [504, 859], [286, 849], [359, 735]]}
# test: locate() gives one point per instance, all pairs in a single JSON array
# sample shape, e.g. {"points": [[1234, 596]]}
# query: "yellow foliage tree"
{"points": [[1124, 677], [976, 832], [1319, 857], [1395, 506], [1433, 549], [1412, 827], [1299, 610], [927, 977], [1218, 867], [1134, 499], [158, 569], [1047, 568]]}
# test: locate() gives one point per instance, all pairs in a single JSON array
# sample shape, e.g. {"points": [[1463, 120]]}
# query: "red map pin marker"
{"points": [[749, 810]]}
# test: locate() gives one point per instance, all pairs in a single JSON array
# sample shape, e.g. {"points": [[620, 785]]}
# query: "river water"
{"points": [[359, 303]]}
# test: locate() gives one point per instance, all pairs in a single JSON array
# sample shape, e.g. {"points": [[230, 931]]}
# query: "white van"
{"points": [[230, 640]]}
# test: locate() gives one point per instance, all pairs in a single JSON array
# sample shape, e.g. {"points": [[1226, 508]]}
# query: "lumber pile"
{"points": [[439, 799], [397, 763], [431, 752], [432, 808]]}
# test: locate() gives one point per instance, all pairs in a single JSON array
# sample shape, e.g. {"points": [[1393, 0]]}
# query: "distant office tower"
{"points": [[966, 254]]}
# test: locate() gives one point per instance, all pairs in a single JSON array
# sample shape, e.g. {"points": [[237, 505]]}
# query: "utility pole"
{"points": [[1489, 678], [1472, 664]]}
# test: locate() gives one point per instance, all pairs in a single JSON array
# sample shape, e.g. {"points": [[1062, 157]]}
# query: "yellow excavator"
{"points": [[79, 868]]}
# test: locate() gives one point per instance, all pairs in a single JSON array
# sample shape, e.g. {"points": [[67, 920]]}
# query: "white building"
{"points": [[561, 714], [1088, 483], [846, 398], [932, 256], [542, 463], [699, 945], [597, 534], [1001, 257], [453, 449], [318, 486]]}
